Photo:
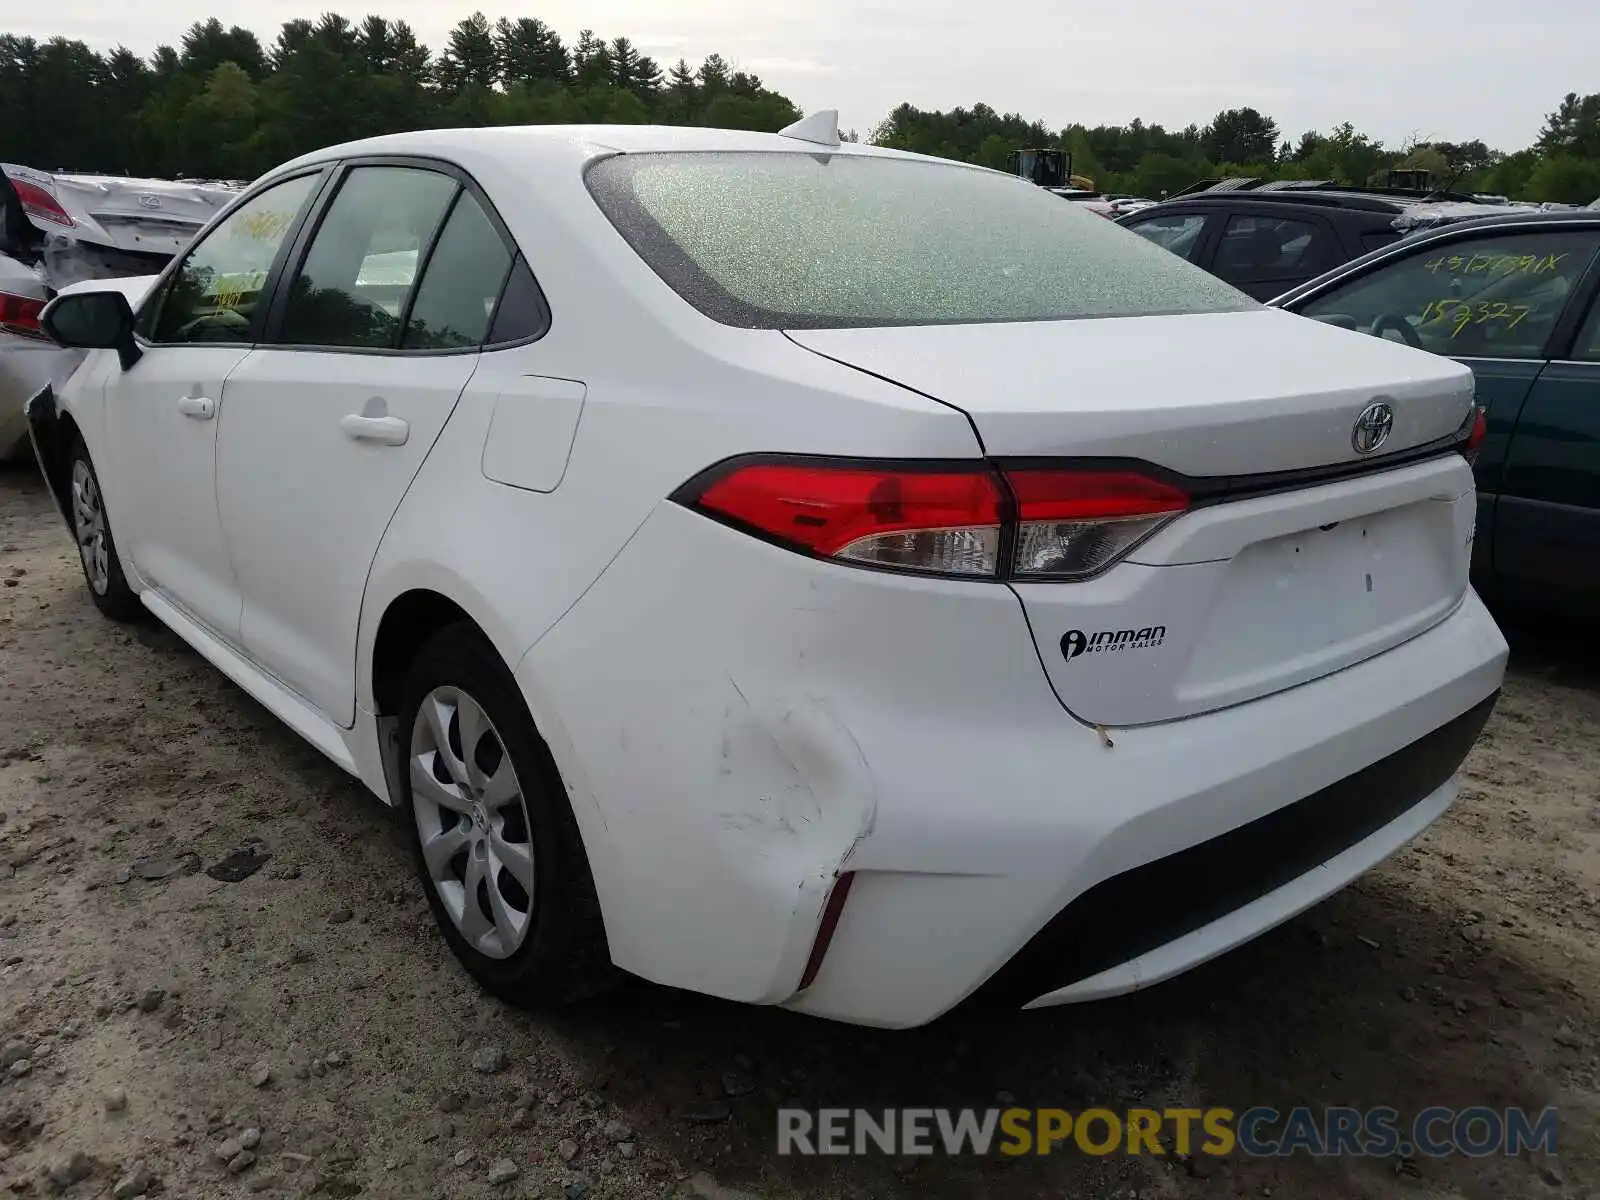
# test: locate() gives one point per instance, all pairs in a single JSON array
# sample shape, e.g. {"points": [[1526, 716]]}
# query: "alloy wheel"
{"points": [[472, 822]]}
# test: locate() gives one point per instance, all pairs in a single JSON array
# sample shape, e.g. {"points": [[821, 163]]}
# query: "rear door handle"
{"points": [[201, 408], [386, 431]]}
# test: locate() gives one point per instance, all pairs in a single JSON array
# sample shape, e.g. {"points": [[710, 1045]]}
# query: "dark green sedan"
{"points": [[1512, 297]]}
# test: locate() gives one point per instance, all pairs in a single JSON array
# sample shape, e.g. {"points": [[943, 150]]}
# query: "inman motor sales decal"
{"points": [[1109, 641]]}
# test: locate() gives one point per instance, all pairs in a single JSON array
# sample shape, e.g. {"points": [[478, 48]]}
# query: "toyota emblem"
{"points": [[1372, 428]]}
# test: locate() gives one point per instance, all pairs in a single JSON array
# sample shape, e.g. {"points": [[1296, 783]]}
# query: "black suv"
{"points": [[1269, 238]]}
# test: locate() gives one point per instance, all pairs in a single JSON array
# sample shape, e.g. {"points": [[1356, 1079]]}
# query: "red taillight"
{"points": [[937, 519], [37, 202], [20, 315], [1048, 495], [931, 520]]}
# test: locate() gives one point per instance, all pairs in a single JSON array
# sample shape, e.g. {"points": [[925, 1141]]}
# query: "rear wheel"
{"points": [[97, 549], [495, 844]]}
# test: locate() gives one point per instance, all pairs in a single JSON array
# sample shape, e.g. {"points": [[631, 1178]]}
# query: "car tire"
{"points": [[469, 833], [97, 548]]}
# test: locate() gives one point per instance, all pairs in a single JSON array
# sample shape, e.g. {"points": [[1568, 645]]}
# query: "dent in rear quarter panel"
{"points": [[754, 722], [731, 791]]}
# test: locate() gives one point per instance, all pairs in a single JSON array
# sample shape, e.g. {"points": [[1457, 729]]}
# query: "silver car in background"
{"points": [[57, 230]]}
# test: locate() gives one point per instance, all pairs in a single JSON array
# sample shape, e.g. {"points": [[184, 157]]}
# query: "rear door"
{"points": [[1265, 250], [1547, 527], [372, 339], [1490, 299]]}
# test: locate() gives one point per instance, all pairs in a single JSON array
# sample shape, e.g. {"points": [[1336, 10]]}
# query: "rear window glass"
{"points": [[815, 241]]}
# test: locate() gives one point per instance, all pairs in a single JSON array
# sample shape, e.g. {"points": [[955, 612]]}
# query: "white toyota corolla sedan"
{"points": [[805, 573]]}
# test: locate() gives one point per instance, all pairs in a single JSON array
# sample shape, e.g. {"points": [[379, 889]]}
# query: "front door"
{"points": [[161, 414], [372, 343]]}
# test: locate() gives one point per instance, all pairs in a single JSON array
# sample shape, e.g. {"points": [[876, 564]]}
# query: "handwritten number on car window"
{"points": [[1461, 313], [1495, 264]]}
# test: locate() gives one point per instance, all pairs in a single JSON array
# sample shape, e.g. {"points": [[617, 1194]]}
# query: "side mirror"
{"points": [[92, 321]]}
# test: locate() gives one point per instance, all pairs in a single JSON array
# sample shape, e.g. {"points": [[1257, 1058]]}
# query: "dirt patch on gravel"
{"points": [[303, 1031]]}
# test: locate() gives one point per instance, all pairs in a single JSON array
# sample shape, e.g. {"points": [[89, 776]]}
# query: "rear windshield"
{"points": [[819, 241]]}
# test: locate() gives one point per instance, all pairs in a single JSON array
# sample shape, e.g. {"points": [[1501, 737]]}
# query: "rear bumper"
{"points": [[737, 726], [1161, 918], [1068, 918]]}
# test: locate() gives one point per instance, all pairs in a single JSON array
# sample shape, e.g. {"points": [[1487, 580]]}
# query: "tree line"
{"points": [[1563, 164], [222, 105]]}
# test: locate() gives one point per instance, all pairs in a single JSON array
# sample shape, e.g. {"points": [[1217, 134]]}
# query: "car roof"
{"points": [[1408, 215], [1578, 217], [1329, 198], [574, 145]]}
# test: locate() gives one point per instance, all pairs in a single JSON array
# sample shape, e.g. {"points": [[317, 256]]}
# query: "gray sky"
{"points": [[1395, 68]]}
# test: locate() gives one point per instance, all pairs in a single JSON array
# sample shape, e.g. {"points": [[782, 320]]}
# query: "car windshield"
{"points": [[813, 241]]}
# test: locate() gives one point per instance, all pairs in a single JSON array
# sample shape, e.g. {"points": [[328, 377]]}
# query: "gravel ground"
{"points": [[304, 1032]]}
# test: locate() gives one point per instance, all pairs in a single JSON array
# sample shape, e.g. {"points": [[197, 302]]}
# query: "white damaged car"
{"points": [[806, 573]]}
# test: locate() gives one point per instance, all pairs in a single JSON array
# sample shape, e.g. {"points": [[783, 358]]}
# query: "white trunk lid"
{"points": [[1210, 394], [1272, 582]]}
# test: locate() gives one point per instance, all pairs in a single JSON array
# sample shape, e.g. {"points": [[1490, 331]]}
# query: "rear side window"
{"points": [[462, 280], [774, 240], [1259, 247], [1177, 232], [352, 288]]}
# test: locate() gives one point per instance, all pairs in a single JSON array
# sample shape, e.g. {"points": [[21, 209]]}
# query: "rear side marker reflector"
{"points": [[831, 912], [964, 520]]}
